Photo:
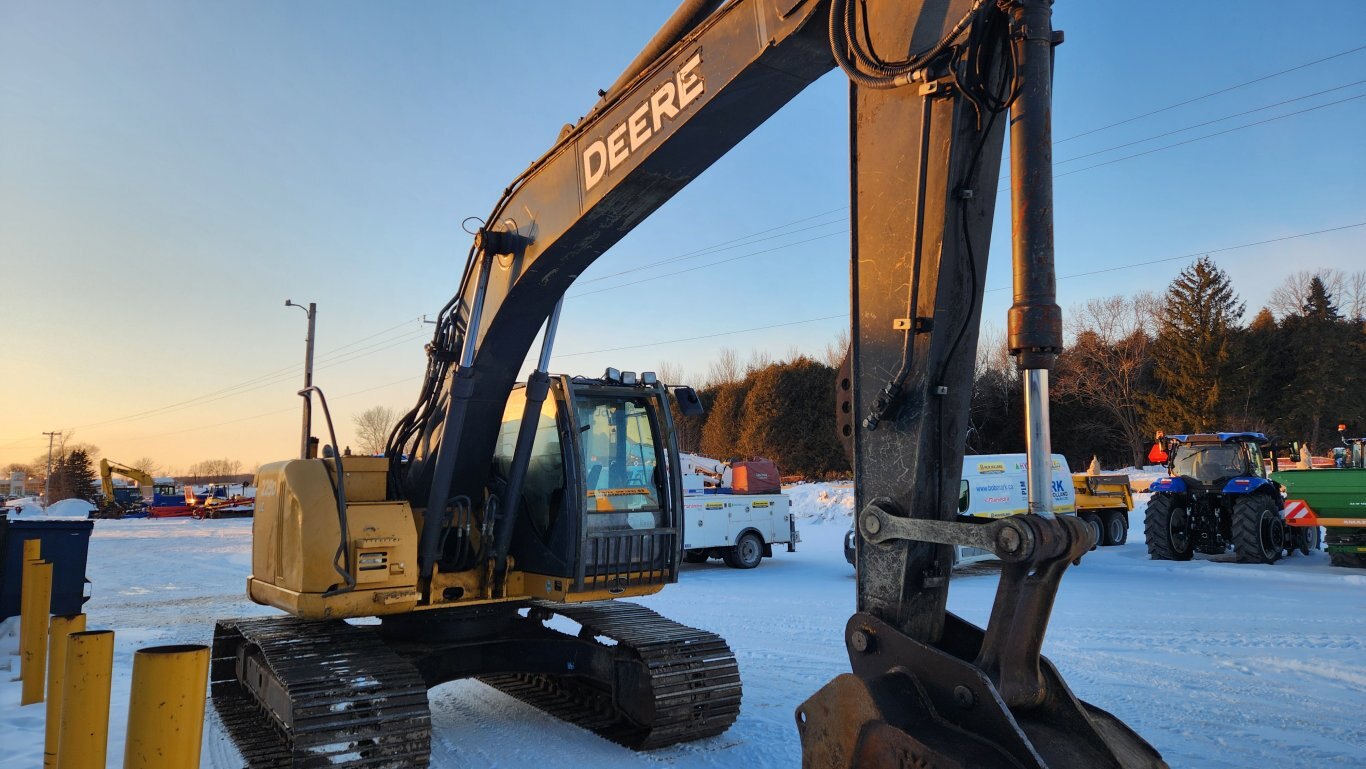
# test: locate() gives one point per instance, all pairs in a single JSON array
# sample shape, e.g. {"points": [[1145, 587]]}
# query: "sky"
{"points": [[171, 172]]}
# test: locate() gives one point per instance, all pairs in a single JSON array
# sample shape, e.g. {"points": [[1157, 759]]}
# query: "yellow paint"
{"points": [[61, 627], [34, 605], [166, 707], [33, 550], [83, 736]]}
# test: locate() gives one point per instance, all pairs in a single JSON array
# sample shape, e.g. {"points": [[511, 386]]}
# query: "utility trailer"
{"points": [[739, 528], [1334, 499]]}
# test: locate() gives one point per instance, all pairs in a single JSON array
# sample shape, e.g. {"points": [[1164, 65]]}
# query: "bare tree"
{"points": [[1347, 289], [671, 373], [1107, 360], [215, 468], [724, 368], [373, 427], [146, 465], [758, 359], [836, 349]]}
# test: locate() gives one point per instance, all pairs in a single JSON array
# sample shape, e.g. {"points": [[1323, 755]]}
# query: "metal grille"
{"points": [[618, 560]]}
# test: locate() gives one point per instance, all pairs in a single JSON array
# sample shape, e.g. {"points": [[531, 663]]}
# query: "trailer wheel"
{"points": [[1258, 531], [1167, 529], [1309, 540], [1093, 523], [1116, 528], [694, 556], [747, 553]]}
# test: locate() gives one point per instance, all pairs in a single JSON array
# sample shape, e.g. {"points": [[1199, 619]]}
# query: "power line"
{"points": [[1212, 93], [265, 380], [709, 264], [704, 336], [1206, 123], [1006, 186], [726, 244], [1195, 254], [200, 428], [1211, 136]]}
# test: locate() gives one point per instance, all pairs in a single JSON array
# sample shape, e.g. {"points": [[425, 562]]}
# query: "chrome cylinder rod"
{"points": [[1038, 443]]}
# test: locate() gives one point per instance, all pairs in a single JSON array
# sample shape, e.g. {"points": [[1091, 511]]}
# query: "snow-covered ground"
{"points": [[1217, 664]]}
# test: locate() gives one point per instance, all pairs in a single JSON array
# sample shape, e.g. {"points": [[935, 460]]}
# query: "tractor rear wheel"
{"points": [[1258, 531], [1167, 529]]}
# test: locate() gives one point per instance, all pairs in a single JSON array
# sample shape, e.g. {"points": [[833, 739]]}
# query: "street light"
{"points": [[312, 310]]}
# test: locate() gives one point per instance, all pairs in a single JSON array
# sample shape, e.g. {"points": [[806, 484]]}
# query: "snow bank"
{"points": [[69, 508], [822, 502]]}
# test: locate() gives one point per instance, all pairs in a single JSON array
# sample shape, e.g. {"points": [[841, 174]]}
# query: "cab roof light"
{"points": [[649, 378], [628, 377], [612, 375]]}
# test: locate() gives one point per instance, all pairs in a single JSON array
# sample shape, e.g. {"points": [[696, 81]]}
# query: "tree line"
{"points": [[1184, 361]]}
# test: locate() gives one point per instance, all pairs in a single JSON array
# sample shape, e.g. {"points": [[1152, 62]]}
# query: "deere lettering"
{"points": [[642, 123]]}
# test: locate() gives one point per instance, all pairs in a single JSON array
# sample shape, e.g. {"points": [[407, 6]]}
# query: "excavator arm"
{"points": [[107, 471], [934, 85]]}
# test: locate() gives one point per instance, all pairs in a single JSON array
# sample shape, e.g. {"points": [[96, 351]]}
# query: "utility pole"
{"points": [[47, 478], [312, 311]]}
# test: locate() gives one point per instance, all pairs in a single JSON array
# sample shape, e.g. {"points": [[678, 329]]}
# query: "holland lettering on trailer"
{"points": [[644, 121]]}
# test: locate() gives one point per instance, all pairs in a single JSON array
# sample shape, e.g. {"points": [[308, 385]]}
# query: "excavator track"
{"points": [[693, 680], [339, 697], [299, 693]]}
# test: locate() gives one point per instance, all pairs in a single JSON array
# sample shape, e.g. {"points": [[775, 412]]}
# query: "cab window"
{"points": [[617, 444], [543, 489]]}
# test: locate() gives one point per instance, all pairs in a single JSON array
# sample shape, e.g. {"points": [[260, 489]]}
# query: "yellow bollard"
{"points": [[83, 736], [62, 626], [34, 605], [166, 707], [33, 551]]}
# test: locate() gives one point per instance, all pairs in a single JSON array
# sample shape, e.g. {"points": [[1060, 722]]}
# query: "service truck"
{"points": [[723, 519]]}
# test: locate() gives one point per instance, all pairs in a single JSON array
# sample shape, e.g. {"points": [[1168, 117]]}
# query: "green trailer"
{"points": [[1334, 499]]}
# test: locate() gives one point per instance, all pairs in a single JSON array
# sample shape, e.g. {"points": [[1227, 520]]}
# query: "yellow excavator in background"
{"points": [[502, 505], [115, 505]]}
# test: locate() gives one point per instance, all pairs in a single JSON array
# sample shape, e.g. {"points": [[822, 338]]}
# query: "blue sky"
{"points": [[170, 172]]}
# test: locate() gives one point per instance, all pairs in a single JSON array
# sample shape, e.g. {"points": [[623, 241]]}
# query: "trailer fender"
{"points": [[1168, 485], [1249, 485]]}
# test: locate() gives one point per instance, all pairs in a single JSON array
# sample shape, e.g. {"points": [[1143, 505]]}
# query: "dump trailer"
{"points": [[500, 505], [1104, 503]]}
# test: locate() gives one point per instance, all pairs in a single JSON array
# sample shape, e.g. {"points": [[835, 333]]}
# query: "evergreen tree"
{"points": [[1318, 304], [1326, 378], [721, 432], [1192, 349], [789, 417], [84, 484]]}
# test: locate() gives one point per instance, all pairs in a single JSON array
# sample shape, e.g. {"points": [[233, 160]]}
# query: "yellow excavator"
{"points": [[115, 505], [504, 512]]}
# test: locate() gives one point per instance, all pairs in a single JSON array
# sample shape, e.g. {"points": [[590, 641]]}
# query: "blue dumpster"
{"points": [[65, 546]]}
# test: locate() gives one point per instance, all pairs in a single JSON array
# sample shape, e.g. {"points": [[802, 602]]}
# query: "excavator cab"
{"points": [[601, 498]]}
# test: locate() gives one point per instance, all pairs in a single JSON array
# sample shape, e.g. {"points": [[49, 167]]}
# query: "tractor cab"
{"points": [[1210, 461]]}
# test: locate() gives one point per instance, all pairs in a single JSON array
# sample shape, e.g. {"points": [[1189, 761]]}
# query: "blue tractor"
{"points": [[1216, 496]]}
